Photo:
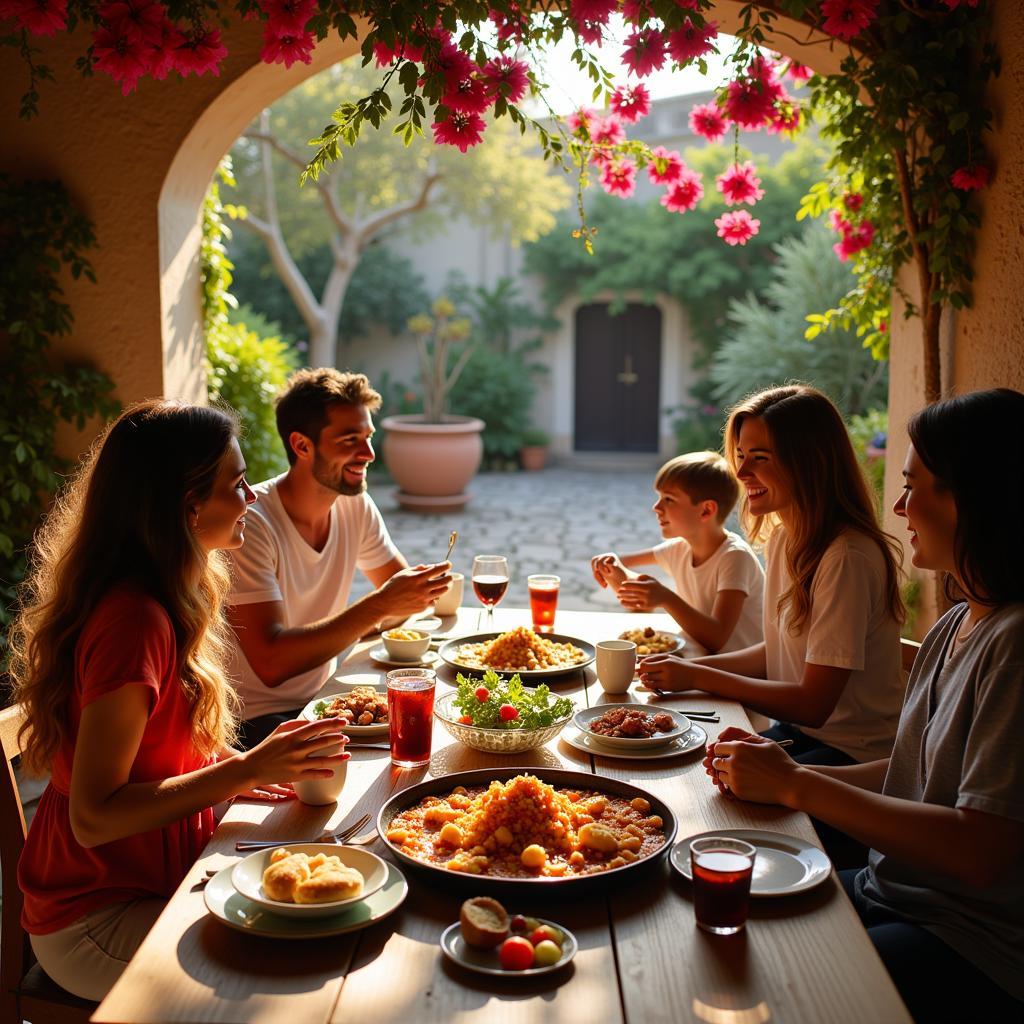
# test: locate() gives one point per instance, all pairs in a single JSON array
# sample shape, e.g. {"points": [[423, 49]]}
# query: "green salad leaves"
{"points": [[536, 707]]}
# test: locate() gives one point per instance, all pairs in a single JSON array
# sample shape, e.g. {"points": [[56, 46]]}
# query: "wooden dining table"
{"points": [[804, 958]]}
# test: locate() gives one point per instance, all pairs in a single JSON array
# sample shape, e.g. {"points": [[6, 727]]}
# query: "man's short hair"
{"points": [[308, 397], [702, 476]]}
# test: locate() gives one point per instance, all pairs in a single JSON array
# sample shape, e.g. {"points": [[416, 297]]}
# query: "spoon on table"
{"points": [[451, 544]]}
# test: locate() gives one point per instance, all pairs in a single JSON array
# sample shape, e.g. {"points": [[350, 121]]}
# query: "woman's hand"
{"points": [[294, 751], [642, 594], [752, 768], [272, 794], [667, 672]]}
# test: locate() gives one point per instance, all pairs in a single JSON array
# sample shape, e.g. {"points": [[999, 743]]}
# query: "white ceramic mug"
{"points": [[318, 792], [616, 665], [451, 600]]}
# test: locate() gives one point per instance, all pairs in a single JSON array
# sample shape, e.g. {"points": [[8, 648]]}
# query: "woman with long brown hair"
{"points": [[829, 666], [117, 656]]}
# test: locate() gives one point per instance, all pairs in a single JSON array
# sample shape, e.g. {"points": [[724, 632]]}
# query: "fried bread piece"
{"points": [[286, 871], [328, 883]]}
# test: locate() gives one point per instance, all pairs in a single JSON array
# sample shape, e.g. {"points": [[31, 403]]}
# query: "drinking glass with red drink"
{"points": [[411, 715], [490, 581], [543, 601], [722, 869]]}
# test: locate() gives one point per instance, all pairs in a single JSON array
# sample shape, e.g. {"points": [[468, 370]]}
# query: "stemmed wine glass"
{"points": [[490, 581]]}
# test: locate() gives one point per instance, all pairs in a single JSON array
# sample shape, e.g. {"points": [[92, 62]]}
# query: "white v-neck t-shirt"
{"points": [[733, 566], [849, 626], [276, 564]]}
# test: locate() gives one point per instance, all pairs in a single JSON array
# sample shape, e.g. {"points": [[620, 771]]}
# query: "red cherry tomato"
{"points": [[466, 720], [508, 712], [483, 694], [516, 954]]}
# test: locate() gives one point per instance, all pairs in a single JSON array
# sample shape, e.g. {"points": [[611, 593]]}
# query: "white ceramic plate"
{"points": [[355, 731], [449, 653], [381, 656], [693, 739], [486, 961], [784, 864], [582, 720], [247, 878], [227, 904]]}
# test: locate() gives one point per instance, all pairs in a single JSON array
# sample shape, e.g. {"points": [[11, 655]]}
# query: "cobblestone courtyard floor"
{"points": [[550, 521]]}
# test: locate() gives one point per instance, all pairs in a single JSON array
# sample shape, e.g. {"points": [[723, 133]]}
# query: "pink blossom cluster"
{"points": [[972, 178], [853, 237], [846, 19]]}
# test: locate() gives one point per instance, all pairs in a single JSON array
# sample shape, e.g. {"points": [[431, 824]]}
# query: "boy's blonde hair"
{"points": [[702, 476]]}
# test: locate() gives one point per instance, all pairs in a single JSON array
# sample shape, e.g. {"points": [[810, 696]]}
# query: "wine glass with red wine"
{"points": [[490, 581]]}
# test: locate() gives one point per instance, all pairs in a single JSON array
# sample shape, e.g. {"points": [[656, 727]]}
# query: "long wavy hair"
{"points": [[967, 444], [124, 517], [813, 452]]}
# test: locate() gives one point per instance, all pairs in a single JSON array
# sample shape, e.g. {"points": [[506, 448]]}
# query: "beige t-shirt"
{"points": [[849, 626], [734, 566], [276, 564]]}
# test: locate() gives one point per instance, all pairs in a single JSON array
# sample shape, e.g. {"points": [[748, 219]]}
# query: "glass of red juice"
{"points": [[722, 868], [411, 714], [543, 601]]}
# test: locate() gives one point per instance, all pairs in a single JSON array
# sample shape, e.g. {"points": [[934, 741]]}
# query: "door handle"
{"points": [[627, 377]]}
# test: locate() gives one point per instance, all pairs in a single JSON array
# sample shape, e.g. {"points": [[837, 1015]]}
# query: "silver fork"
{"points": [[341, 836]]}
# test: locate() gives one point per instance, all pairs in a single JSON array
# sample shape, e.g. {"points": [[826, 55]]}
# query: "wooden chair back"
{"points": [[25, 991], [908, 652]]}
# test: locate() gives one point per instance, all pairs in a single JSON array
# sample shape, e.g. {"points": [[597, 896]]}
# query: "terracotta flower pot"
{"points": [[432, 462], [533, 456]]}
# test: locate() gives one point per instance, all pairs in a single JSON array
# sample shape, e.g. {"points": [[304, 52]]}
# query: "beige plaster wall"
{"points": [[983, 346]]}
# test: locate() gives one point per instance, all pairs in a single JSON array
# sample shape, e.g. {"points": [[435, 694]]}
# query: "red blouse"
{"points": [[128, 639]]}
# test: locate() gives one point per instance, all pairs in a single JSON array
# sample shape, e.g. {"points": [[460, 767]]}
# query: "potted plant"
{"points": [[433, 455], [533, 450]]}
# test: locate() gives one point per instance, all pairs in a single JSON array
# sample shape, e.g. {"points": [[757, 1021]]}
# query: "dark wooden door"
{"points": [[618, 378]]}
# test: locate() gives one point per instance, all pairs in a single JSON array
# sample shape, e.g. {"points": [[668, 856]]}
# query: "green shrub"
{"points": [[862, 430], [245, 372], [698, 429]]}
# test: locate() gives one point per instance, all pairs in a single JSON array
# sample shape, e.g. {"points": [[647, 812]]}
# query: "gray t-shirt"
{"points": [[959, 744]]}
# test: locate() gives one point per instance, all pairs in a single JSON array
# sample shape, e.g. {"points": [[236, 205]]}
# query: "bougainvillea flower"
{"points": [[853, 201], [954, 4], [644, 52], [288, 17], [462, 130], [636, 12], [385, 56], [740, 184], [846, 19], [470, 96], [665, 167], [972, 178], [454, 65], [684, 194], [40, 17], [591, 17], [141, 19], [737, 227], [690, 41], [631, 102], [607, 131], [581, 122], [854, 240], [708, 121], [837, 222], [122, 54], [510, 24], [799, 72], [287, 49], [201, 52], [618, 177], [506, 78], [786, 118], [688, 5], [162, 55], [748, 104]]}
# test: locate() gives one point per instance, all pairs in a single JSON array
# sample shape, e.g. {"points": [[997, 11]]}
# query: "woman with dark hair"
{"points": [[943, 893], [117, 660], [829, 666]]}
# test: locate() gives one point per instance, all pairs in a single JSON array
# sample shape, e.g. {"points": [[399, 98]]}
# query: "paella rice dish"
{"points": [[519, 650], [526, 828], [650, 641]]}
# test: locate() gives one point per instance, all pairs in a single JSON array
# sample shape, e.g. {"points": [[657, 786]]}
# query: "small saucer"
{"points": [[486, 961], [381, 656]]}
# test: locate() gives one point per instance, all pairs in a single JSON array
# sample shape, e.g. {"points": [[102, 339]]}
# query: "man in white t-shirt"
{"points": [[718, 580], [307, 533]]}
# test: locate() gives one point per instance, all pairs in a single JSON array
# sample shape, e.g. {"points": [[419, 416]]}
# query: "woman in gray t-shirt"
{"points": [[943, 894]]}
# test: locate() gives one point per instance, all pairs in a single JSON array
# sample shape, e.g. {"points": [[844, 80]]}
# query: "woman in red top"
{"points": [[117, 661]]}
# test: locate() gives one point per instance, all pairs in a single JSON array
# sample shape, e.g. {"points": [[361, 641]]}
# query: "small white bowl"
{"points": [[247, 878], [582, 720], [406, 650]]}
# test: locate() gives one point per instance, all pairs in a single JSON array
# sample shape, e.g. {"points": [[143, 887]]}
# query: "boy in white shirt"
{"points": [[719, 582]]}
